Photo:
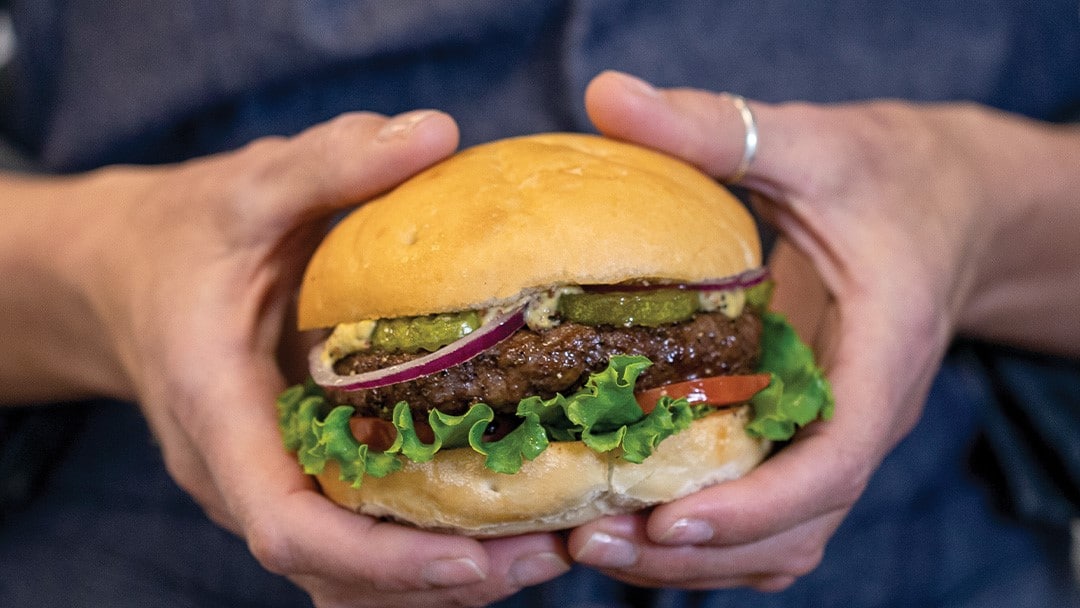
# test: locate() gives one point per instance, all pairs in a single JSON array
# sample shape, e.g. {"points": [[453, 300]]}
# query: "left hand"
{"points": [[192, 268], [875, 200]]}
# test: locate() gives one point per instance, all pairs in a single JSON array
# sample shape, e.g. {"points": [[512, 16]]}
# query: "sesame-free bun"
{"points": [[524, 213], [566, 485]]}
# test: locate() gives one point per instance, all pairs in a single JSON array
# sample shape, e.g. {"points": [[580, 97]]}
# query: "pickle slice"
{"points": [[431, 332], [629, 308]]}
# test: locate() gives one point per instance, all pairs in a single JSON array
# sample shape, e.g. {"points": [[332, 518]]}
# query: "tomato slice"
{"points": [[715, 390], [376, 433], [379, 434]]}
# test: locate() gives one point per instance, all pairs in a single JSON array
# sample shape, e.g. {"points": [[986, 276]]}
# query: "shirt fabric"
{"points": [[95, 82]]}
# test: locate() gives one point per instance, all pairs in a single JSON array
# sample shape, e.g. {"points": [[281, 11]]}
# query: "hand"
{"points": [[192, 269], [874, 199]]}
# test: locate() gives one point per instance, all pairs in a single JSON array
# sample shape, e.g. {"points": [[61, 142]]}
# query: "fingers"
{"points": [[815, 478], [772, 525], [358, 561], [348, 558], [342, 162], [211, 389], [707, 130], [837, 183], [626, 107], [400, 566], [515, 563], [623, 550], [763, 530], [800, 156]]}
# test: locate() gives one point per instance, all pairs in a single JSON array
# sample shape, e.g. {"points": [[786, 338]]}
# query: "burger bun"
{"points": [[565, 486]]}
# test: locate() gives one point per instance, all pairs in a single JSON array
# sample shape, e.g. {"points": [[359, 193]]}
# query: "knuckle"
{"points": [[186, 473], [849, 486], [850, 469], [342, 134], [264, 146], [343, 127], [249, 179], [824, 140], [270, 547], [852, 484], [250, 187], [773, 584], [804, 561]]}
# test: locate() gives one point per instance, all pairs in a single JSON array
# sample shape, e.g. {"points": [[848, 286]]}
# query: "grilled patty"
{"points": [[560, 360]]}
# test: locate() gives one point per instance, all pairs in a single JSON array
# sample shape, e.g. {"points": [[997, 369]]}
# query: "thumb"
{"points": [[708, 130], [347, 160], [798, 161]]}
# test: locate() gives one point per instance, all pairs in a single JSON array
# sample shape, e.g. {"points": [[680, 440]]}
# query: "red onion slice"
{"points": [[739, 281], [491, 333], [742, 280]]}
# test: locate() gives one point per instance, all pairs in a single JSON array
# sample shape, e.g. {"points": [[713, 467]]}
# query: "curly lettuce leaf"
{"points": [[318, 433], [603, 414], [505, 455], [798, 393], [508, 454], [668, 417]]}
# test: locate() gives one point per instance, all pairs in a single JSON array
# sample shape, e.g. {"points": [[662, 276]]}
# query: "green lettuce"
{"points": [[603, 414], [798, 392]]}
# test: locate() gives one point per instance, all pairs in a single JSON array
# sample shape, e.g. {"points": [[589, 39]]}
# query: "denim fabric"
{"points": [[1032, 431], [101, 81], [93, 82], [109, 528], [926, 533]]}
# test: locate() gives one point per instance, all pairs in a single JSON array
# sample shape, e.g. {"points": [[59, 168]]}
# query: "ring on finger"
{"points": [[750, 143]]}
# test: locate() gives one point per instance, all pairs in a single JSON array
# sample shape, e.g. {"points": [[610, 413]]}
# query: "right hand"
{"points": [[882, 226], [192, 269]]}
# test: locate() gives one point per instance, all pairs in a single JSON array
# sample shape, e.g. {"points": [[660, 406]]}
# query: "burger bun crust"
{"points": [[523, 214], [565, 486], [512, 217]]}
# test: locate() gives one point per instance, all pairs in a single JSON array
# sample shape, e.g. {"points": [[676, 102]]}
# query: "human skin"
{"points": [[176, 290], [902, 226]]}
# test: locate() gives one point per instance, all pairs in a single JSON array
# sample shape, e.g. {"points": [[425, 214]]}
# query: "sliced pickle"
{"points": [[629, 308], [431, 332]]}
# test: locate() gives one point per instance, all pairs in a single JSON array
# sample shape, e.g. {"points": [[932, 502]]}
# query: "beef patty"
{"points": [[560, 360]]}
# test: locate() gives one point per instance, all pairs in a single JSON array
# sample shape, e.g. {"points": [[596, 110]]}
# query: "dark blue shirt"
{"points": [[103, 81], [95, 82]]}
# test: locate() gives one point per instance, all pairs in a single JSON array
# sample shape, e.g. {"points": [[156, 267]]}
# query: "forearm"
{"points": [[54, 346], [1027, 282]]}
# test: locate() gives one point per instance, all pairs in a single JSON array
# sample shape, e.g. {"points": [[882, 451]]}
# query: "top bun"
{"points": [[524, 213]]}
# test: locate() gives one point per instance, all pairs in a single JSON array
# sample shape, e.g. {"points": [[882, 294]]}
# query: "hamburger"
{"points": [[539, 331]]}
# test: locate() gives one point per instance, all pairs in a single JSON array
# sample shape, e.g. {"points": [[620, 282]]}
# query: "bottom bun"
{"points": [[566, 486]]}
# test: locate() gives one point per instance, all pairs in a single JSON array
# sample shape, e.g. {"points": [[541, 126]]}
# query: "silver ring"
{"points": [[751, 142]]}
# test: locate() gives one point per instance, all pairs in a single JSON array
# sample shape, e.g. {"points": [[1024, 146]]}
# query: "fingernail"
{"points": [[453, 572], [401, 125], [639, 86], [607, 551], [537, 568], [687, 532]]}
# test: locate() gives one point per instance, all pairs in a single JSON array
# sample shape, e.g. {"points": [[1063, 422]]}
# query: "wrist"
{"points": [[1024, 280], [57, 346]]}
